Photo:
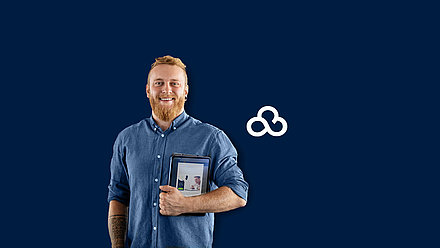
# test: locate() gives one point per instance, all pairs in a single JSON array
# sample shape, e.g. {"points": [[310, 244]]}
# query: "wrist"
{"points": [[119, 245], [189, 204]]}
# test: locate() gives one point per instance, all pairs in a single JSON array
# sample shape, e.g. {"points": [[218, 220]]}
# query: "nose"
{"points": [[167, 88]]}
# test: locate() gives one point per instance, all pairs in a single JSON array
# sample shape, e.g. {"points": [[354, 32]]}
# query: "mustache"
{"points": [[167, 96]]}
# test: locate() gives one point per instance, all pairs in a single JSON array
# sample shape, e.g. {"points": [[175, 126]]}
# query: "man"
{"points": [[159, 215], [197, 183]]}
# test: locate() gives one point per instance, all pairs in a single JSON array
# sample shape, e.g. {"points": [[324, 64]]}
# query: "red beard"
{"points": [[167, 113]]}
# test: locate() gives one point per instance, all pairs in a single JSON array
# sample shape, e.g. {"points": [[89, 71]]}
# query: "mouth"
{"points": [[167, 99]]}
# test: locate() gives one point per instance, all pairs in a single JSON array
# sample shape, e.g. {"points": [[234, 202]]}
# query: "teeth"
{"points": [[166, 99]]}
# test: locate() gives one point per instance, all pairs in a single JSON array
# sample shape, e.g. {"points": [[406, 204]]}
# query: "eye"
{"points": [[175, 84], [158, 83]]}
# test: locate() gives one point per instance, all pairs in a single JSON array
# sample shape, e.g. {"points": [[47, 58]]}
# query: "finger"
{"points": [[162, 195], [166, 188]]}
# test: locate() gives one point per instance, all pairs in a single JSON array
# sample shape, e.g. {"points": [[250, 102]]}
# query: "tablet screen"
{"points": [[189, 174]]}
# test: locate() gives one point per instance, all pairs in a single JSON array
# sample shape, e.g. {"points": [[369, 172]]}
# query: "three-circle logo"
{"points": [[267, 129]]}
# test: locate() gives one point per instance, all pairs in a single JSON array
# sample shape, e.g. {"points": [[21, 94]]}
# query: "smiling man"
{"points": [[144, 211]]}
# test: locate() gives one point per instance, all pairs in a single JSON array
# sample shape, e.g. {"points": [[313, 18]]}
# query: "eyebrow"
{"points": [[157, 79]]}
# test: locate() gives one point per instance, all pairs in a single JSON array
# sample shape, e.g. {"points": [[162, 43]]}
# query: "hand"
{"points": [[172, 202]]}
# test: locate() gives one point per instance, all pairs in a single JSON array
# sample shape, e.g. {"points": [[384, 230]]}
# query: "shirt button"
{"points": [[154, 228], [154, 204], [154, 129], [163, 135], [158, 156], [156, 180], [174, 128]]}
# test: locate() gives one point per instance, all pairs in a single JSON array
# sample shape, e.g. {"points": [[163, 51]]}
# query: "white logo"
{"points": [[276, 118]]}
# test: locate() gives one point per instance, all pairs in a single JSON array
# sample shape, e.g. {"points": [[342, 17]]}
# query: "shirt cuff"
{"points": [[239, 189]]}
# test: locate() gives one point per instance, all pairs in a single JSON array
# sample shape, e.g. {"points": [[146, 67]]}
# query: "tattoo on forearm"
{"points": [[117, 228]]}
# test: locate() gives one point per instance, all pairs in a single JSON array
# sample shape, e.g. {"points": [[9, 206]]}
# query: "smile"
{"points": [[166, 99]]}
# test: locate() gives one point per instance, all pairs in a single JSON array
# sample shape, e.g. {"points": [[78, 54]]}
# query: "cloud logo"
{"points": [[259, 117]]}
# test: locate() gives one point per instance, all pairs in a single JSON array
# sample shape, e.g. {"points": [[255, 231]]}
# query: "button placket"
{"points": [[161, 143]]}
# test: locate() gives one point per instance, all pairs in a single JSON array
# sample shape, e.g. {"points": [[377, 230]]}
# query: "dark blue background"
{"points": [[353, 81]]}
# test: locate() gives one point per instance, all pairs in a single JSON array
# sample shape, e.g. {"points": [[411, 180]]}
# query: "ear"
{"points": [[186, 89], [147, 90]]}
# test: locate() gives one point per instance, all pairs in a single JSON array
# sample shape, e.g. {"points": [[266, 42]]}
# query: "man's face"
{"points": [[166, 90], [197, 180]]}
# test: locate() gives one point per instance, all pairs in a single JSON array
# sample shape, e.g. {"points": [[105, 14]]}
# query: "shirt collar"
{"points": [[177, 122]]}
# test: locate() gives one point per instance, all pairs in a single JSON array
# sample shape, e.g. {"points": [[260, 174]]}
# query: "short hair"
{"points": [[168, 60]]}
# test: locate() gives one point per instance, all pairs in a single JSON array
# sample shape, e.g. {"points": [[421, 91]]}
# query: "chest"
{"points": [[148, 158]]}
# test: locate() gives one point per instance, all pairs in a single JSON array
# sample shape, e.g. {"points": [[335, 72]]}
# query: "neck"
{"points": [[164, 125]]}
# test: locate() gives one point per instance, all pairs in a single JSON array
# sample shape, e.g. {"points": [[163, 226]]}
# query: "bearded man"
{"points": [[143, 210]]}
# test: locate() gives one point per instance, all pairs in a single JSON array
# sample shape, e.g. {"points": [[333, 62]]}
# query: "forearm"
{"points": [[117, 223], [219, 200]]}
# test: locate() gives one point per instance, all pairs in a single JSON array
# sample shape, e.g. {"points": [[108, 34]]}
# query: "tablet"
{"points": [[189, 173]]}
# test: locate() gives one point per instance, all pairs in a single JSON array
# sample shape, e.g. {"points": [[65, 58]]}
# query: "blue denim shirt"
{"points": [[140, 164]]}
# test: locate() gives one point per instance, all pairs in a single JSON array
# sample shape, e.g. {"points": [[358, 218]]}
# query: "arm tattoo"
{"points": [[118, 228]]}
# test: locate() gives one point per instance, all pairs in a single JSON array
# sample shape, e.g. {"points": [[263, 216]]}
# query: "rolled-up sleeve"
{"points": [[118, 188], [225, 169]]}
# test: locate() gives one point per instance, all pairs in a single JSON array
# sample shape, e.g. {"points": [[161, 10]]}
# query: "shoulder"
{"points": [[218, 142], [204, 127], [215, 135], [132, 130]]}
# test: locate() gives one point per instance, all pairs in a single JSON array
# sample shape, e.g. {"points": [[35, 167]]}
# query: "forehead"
{"points": [[167, 72]]}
